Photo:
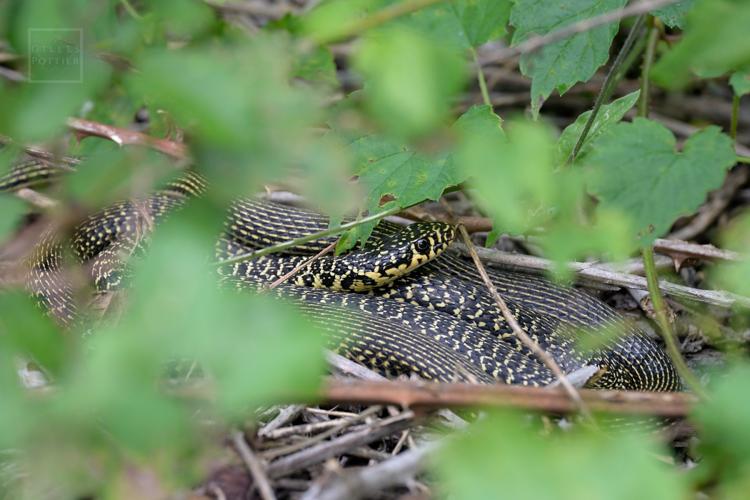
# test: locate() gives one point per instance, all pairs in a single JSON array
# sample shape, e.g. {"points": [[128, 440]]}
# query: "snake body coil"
{"points": [[420, 311]]}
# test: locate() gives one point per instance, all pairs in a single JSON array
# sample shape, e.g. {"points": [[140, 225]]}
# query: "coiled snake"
{"points": [[419, 311]]}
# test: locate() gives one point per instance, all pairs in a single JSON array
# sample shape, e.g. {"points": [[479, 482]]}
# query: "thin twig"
{"points": [[613, 76], [534, 43], [253, 465], [595, 272], [662, 319], [303, 264], [548, 360], [286, 414], [341, 424], [429, 395]]}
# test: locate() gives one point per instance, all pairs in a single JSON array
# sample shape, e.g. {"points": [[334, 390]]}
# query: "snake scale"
{"points": [[401, 305]]}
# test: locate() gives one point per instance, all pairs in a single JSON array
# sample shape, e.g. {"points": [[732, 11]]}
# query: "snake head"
{"points": [[412, 247]]}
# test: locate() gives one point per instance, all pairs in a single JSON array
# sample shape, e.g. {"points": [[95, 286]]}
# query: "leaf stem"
{"points": [[735, 117], [306, 239], [613, 77], [481, 79], [648, 60], [376, 19], [662, 319], [743, 159]]}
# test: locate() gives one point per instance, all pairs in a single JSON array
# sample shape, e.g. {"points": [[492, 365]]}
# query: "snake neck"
{"points": [[381, 264]]}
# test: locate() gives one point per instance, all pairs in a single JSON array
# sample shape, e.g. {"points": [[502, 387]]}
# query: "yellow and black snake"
{"points": [[419, 310]]}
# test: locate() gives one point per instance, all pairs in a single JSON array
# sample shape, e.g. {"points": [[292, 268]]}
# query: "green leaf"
{"points": [[609, 114], [184, 18], [674, 15], [735, 276], [316, 65], [110, 173], [328, 19], [12, 208], [247, 126], [740, 82], [503, 453], [482, 20], [725, 439], [570, 235], [704, 48], [26, 331], [461, 24], [410, 82], [274, 351], [392, 174], [513, 175], [640, 172], [389, 168], [560, 65]]}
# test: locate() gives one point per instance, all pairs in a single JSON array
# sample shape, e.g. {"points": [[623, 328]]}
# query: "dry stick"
{"points": [[429, 395], [596, 273], [349, 367], [36, 198], [304, 263], [548, 360], [324, 451], [536, 42], [124, 137], [695, 250], [342, 424], [368, 481], [285, 415], [253, 465], [63, 162]]}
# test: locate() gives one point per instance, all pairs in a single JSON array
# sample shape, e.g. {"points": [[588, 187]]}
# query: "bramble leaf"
{"points": [[639, 171], [560, 65]]}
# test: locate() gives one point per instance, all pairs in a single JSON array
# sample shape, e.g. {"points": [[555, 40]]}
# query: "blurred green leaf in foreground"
{"points": [[503, 456]]}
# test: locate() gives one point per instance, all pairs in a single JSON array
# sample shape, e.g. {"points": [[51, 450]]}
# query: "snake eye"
{"points": [[422, 245]]}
